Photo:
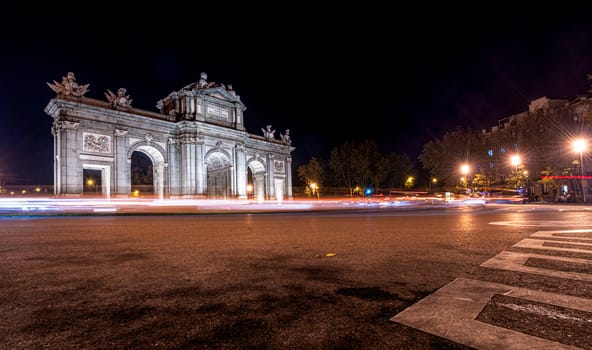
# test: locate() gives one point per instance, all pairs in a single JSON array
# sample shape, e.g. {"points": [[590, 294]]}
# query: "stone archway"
{"points": [[142, 174], [257, 169], [105, 181], [219, 184], [197, 143], [158, 165]]}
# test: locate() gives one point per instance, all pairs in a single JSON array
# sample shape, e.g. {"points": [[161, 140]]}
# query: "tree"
{"points": [[432, 157], [341, 166], [480, 182], [358, 165], [367, 160], [398, 168], [311, 172], [444, 157]]}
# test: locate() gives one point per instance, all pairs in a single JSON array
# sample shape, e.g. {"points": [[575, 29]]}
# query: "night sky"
{"points": [[401, 78]]}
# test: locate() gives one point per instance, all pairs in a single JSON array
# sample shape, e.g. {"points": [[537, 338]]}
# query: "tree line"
{"points": [[540, 137], [358, 166]]}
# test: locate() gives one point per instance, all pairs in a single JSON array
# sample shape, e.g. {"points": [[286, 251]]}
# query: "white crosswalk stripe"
{"points": [[452, 310]]}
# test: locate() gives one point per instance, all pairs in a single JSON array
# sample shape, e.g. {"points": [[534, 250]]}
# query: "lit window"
{"points": [[490, 152]]}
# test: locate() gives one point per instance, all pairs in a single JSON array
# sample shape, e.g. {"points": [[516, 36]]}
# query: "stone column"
{"points": [[177, 104], [289, 177], [166, 177], [200, 164], [200, 110], [192, 103], [188, 166], [279, 185], [241, 171], [71, 181], [269, 176], [237, 117], [57, 139], [259, 184], [158, 180], [122, 181], [174, 186]]}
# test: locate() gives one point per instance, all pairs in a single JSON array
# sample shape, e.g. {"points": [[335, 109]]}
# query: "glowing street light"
{"points": [[580, 145], [410, 182], [464, 169], [314, 188]]}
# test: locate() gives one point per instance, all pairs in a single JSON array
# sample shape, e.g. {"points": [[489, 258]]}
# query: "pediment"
{"points": [[221, 94]]}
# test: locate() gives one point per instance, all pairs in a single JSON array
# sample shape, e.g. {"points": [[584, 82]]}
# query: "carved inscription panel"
{"points": [[217, 112], [96, 143], [278, 166]]}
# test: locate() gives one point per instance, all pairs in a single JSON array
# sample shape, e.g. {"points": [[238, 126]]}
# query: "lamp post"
{"points": [[515, 159], [432, 181], [580, 145], [465, 170]]}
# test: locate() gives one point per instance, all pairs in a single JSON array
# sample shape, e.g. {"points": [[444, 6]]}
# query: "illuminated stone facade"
{"points": [[197, 143]]}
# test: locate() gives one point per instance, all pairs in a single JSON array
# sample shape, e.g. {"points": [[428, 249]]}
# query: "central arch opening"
{"points": [[218, 176], [142, 175]]}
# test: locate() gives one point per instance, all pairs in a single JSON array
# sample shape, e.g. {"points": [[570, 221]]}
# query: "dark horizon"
{"points": [[401, 84]]}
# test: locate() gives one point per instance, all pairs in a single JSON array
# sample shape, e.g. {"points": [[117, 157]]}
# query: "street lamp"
{"points": [[433, 181], [580, 145], [314, 187], [515, 160], [465, 170]]}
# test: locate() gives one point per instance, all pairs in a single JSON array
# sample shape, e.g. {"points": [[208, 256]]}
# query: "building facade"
{"points": [[541, 142], [197, 144]]}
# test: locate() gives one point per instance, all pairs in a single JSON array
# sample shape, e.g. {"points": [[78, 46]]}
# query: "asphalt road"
{"points": [[270, 280]]}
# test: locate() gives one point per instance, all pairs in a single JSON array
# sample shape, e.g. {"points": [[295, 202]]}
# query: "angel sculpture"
{"points": [[69, 86], [269, 134], [121, 99], [286, 137]]}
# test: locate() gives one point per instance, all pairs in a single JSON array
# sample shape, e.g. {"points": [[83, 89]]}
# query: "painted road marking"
{"points": [[450, 313], [515, 261], [540, 223], [582, 235], [540, 244]]}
